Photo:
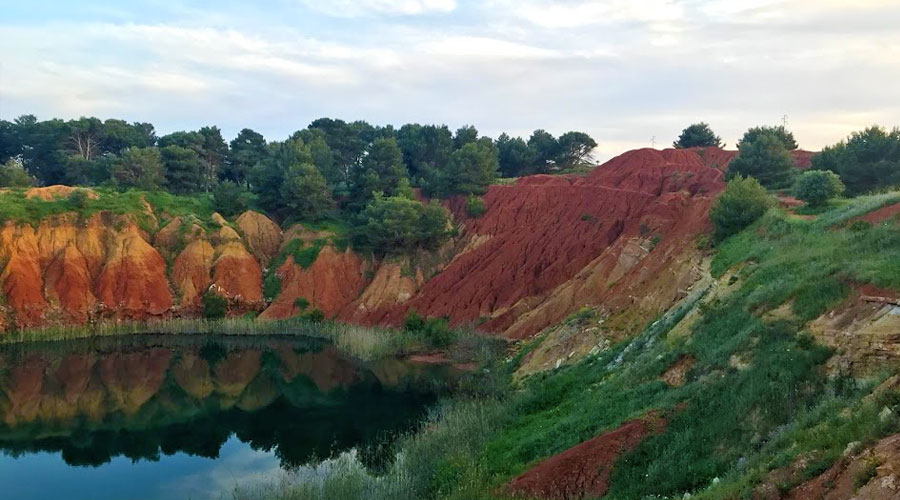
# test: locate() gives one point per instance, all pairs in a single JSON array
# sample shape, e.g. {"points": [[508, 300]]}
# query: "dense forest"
{"points": [[331, 169]]}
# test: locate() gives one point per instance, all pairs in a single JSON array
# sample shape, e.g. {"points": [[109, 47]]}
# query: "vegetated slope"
{"points": [[787, 393]]}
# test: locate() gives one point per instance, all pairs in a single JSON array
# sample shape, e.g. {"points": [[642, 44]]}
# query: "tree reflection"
{"points": [[302, 401]]}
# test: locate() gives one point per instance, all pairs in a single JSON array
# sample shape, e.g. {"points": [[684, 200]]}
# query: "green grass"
{"points": [[735, 422], [14, 206]]}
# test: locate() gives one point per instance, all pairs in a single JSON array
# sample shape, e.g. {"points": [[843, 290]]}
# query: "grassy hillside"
{"points": [[756, 396], [16, 206]]}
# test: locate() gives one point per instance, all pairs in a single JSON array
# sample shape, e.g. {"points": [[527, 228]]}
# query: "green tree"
{"points": [[10, 146], [214, 305], [514, 156], [867, 160], [783, 135], [766, 159], [697, 135], [305, 192], [816, 187], [743, 201], [43, 147], [396, 224], [230, 198], [347, 141], [471, 169], [213, 151], [267, 177], [139, 168], [83, 172], [119, 135], [85, 136], [183, 169], [381, 170], [12, 174], [574, 149], [544, 149], [322, 157], [426, 149], [247, 149], [466, 134]]}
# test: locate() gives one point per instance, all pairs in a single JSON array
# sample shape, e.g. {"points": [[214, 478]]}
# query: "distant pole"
{"points": [[784, 121], [653, 142]]}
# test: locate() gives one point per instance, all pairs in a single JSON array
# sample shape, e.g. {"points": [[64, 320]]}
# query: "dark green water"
{"points": [[152, 418]]}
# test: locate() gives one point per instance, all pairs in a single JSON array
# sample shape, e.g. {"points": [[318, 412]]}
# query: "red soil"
{"points": [[544, 230], [583, 471], [882, 214]]}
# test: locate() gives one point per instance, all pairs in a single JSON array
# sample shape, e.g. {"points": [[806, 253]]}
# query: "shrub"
{"points": [[435, 332], [781, 133], [301, 303], [865, 161], [766, 159], [230, 198], [697, 135], [314, 316], [816, 187], [475, 207], [743, 201], [79, 199], [214, 305], [12, 174], [397, 224]]}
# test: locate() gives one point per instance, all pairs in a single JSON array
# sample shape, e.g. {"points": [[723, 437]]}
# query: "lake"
{"points": [[153, 417]]}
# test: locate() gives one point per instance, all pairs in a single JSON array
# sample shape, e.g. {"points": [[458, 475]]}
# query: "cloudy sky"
{"points": [[622, 70]]}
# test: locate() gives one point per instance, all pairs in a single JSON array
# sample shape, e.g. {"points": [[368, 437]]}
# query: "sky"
{"points": [[631, 73]]}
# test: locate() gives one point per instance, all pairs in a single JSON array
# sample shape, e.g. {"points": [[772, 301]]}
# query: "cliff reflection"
{"points": [[147, 397]]}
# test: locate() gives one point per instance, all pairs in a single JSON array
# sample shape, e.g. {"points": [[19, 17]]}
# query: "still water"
{"points": [[153, 418]]}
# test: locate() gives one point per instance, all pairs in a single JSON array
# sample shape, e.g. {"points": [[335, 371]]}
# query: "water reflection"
{"points": [[149, 398]]}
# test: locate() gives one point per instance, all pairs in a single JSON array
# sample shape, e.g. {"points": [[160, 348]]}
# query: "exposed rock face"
{"points": [[262, 234], [68, 282], [551, 244], [332, 282], [237, 275], [133, 283], [191, 272], [388, 289], [22, 278]]}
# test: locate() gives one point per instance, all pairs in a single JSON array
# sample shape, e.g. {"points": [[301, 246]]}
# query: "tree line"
{"points": [[866, 161], [353, 169]]}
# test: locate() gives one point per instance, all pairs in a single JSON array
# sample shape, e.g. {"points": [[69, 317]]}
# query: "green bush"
{"points": [[765, 158], [214, 305], [697, 135], [396, 224], [435, 332], [12, 174], [816, 187], [301, 303], [865, 161], [230, 198], [314, 316], [743, 201], [79, 199], [475, 207]]}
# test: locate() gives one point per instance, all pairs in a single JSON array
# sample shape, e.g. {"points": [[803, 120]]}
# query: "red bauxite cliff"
{"points": [[623, 238]]}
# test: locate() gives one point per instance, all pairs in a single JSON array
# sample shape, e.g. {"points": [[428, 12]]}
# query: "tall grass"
{"points": [[437, 461]]}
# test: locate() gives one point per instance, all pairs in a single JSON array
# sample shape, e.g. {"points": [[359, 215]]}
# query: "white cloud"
{"points": [[623, 71], [484, 47], [357, 8], [662, 14]]}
